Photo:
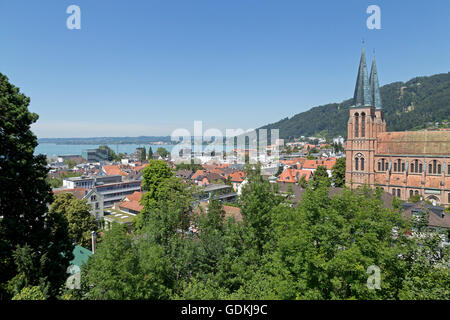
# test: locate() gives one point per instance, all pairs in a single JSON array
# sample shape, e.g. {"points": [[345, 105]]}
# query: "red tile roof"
{"points": [[198, 174], [290, 175], [136, 196], [113, 170], [131, 205], [131, 201], [237, 176]]}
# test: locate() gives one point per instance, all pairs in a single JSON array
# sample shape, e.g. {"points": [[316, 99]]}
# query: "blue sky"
{"points": [[148, 67]]}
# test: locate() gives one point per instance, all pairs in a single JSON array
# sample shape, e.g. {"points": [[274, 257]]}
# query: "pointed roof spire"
{"points": [[363, 94], [375, 86]]}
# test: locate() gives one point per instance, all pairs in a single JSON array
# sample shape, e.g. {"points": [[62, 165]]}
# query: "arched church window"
{"points": [[412, 167], [379, 165], [439, 169], [362, 164], [356, 124], [420, 168], [356, 164]]}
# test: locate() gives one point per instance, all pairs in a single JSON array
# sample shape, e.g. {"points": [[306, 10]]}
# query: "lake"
{"points": [[53, 149]]}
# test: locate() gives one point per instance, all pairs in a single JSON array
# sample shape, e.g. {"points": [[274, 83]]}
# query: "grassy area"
{"points": [[118, 216]]}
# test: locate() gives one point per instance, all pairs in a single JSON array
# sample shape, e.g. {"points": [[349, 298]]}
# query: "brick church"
{"points": [[402, 163]]}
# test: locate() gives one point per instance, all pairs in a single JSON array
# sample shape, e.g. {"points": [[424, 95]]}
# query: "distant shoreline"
{"points": [[56, 149], [157, 140]]}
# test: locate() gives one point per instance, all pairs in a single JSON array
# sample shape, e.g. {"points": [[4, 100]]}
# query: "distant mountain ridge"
{"points": [[107, 140], [411, 105]]}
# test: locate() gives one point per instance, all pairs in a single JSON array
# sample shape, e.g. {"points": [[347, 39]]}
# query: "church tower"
{"points": [[365, 122]]}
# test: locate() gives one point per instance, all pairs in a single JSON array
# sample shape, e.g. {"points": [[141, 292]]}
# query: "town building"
{"points": [[402, 163], [89, 181], [115, 192], [95, 155], [219, 192], [130, 203]]}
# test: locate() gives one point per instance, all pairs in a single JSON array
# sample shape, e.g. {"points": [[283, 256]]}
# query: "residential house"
{"points": [[130, 203], [294, 175]]}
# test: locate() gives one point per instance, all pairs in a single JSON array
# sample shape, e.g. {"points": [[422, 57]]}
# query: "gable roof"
{"points": [[131, 205], [294, 175], [135, 196], [112, 170]]}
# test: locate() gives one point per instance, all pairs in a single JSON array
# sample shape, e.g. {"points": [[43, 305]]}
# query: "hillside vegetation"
{"points": [[414, 105]]}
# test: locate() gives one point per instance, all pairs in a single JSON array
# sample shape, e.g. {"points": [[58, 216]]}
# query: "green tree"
{"points": [[71, 163], [154, 175], [302, 182], [111, 154], [320, 177], [80, 221], [211, 232], [143, 154], [57, 181], [338, 173], [24, 195], [415, 198], [256, 202], [31, 293], [125, 268], [188, 166], [166, 212], [162, 152], [150, 153]]}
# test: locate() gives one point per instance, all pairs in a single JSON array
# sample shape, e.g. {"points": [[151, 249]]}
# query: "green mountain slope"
{"points": [[412, 105]]}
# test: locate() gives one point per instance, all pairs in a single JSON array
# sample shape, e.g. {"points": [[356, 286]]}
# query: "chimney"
{"points": [[94, 241]]}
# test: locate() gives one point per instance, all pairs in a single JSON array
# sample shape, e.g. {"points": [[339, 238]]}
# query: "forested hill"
{"points": [[412, 105]]}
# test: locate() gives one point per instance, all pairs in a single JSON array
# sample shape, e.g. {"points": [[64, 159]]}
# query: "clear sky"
{"points": [[148, 67]]}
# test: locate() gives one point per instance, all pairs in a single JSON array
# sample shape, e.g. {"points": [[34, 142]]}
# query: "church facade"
{"points": [[402, 163]]}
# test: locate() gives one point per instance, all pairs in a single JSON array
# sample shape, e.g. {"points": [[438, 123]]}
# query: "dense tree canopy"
{"points": [[338, 173], [162, 152], [30, 239], [323, 249], [80, 221]]}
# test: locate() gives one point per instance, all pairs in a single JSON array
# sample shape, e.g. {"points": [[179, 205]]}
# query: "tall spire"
{"points": [[363, 94], [375, 86]]}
